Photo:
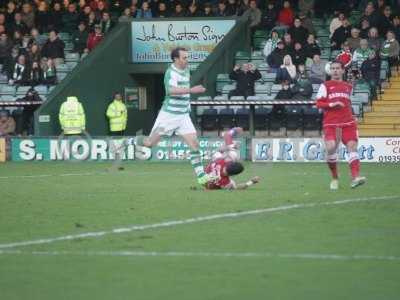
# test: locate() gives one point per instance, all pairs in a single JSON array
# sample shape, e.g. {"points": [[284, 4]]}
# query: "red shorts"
{"points": [[345, 133]]}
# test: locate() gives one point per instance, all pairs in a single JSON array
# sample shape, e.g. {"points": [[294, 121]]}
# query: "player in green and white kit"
{"points": [[174, 116]]}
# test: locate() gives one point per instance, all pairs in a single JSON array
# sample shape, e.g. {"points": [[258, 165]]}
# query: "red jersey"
{"points": [[333, 91], [215, 167]]}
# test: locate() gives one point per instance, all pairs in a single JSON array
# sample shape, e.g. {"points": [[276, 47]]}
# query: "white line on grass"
{"points": [[315, 256], [173, 223]]}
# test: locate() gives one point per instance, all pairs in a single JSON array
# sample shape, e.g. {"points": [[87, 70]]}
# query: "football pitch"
{"points": [[82, 231]]}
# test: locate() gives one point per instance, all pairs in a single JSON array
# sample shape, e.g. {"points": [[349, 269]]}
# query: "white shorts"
{"points": [[168, 124]]}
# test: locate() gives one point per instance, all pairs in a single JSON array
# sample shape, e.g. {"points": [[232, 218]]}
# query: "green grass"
{"points": [[91, 199]]}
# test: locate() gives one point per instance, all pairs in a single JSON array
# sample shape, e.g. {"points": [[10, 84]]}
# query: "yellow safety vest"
{"points": [[118, 116], [72, 116]]}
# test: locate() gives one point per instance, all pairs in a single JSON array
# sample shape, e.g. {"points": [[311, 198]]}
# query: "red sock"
{"points": [[354, 164], [332, 164]]}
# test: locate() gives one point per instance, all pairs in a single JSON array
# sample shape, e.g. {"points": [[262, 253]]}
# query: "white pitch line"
{"points": [[193, 220], [314, 256]]}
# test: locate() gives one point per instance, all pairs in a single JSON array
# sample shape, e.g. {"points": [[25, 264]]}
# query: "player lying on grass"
{"points": [[225, 164]]}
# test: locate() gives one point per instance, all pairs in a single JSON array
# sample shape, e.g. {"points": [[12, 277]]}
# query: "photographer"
{"points": [[245, 78]]}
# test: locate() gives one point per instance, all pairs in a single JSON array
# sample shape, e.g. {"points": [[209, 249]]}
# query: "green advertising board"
{"points": [[108, 149]]}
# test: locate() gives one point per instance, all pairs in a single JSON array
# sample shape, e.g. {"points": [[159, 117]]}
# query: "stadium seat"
{"points": [[242, 57], [71, 64], [269, 77], [227, 88], [209, 119], [41, 89], [8, 89], [22, 90], [311, 118], [275, 88], [262, 89], [261, 118], [294, 117], [242, 118], [264, 67], [8, 98], [226, 118], [63, 68], [61, 76], [72, 57]]}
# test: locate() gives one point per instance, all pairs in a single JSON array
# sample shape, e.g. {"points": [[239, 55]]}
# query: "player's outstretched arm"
{"points": [[245, 185], [197, 89]]}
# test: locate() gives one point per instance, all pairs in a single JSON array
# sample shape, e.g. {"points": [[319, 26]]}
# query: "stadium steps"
{"points": [[384, 117]]}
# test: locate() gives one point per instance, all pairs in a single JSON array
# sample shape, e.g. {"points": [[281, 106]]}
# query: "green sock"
{"points": [[195, 160]]}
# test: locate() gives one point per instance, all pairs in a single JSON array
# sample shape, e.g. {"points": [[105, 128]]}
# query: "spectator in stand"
{"points": [[374, 41], [94, 37], [85, 53], [306, 7], [365, 28], [49, 72], [340, 35], [27, 114], [299, 55], [287, 71], [36, 74], [354, 39], [70, 19], [208, 10], [307, 23], [361, 54], [7, 124], [80, 37], [27, 15], [24, 48], [84, 14], [298, 33], [275, 59], [385, 21], [243, 6], [345, 56], [18, 24], [162, 10], [33, 54], [54, 48], [10, 61], [286, 15], [144, 12], [107, 24], [92, 22], [126, 15], [55, 19], [269, 16], [221, 9], [311, 48], [101, 7], [19, 73], [370, 70], [396, 27], [231, 8], [193, 11], [371, 15], [390, 49], [245, 78], [10, 12], [336, 23], [179, 12], [302, 89], [271, 43], [254, 16], [317, 70], [5, 47], [278, 110], [288, 42], [36, 38]]}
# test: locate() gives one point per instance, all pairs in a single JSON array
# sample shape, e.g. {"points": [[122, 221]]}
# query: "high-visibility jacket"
{"points": [[117, 115], [72, 116]]}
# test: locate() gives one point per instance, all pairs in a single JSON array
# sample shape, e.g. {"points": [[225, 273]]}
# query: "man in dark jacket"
{"points": [[80, 37], [340, 35], [275, 59], [54, 48], [299, 55], [70, 19], [370, 70], [5, 47], [245, 78], [298, 32], [106, 23], [269, 17]]}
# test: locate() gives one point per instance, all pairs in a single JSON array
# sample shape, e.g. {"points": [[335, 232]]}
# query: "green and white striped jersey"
{"points": [[176, 104]]}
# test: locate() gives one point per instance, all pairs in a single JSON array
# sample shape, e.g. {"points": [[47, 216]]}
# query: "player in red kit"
{"points": [[225, 164], [339, 124]]}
